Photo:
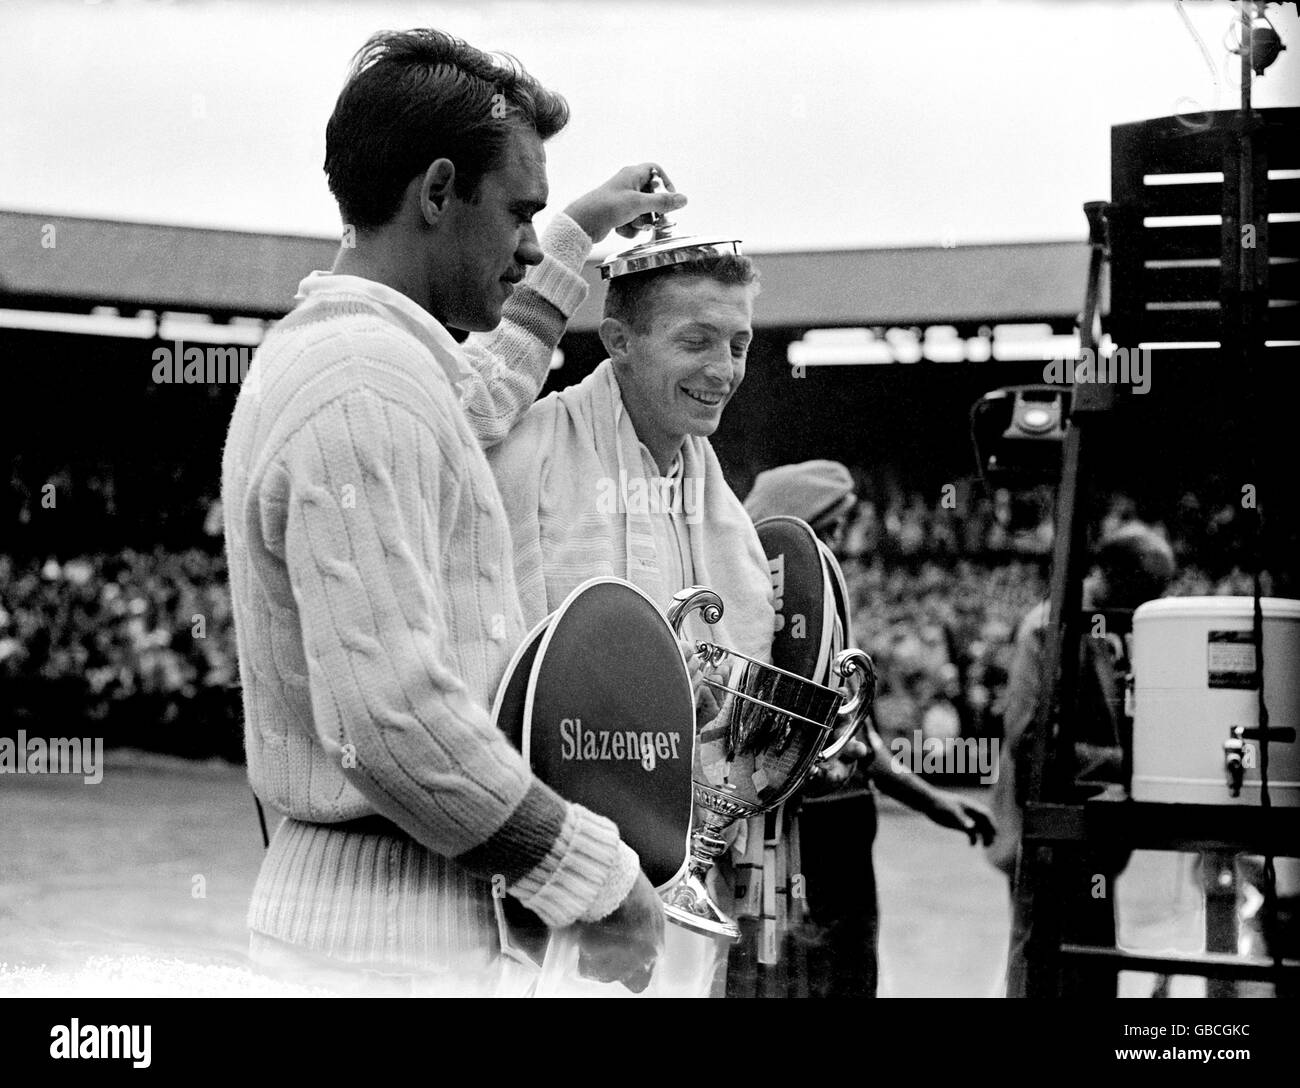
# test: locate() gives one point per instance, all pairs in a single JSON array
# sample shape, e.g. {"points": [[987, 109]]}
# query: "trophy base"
{"points": [[687, 903]]}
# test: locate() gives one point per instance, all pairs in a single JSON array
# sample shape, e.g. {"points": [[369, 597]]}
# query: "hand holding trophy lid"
{"points": [[666, 247]]}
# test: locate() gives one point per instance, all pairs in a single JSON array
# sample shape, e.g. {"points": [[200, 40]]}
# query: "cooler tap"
{"points": [[1233, 753]]}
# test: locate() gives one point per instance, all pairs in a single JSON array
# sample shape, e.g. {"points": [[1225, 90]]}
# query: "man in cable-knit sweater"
{"points": [[370, 558]]}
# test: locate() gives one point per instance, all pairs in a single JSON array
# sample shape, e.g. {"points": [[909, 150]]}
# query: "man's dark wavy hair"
{"points": [[413, 96], [630, 299]]}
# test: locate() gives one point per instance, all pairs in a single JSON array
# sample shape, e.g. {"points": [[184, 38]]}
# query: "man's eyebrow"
{"points": [[705, 326]]}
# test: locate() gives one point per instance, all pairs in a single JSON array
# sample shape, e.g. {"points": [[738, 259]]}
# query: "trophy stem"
{"points": [[687, 901]]}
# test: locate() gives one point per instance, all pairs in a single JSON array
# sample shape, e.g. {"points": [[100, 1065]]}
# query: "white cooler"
{"points": [[1193, 679]]}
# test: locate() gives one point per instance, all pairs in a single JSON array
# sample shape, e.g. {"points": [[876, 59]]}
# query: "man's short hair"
{"points": [[413, 96], [1139, 560], [630, 299]]}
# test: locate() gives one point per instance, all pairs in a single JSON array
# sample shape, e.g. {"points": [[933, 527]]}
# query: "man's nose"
{"points": [[530, 249], [721, 366]]}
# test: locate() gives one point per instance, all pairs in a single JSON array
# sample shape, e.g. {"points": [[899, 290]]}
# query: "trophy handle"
{"points": [[661, 225], [690, 599], [856, 711]]}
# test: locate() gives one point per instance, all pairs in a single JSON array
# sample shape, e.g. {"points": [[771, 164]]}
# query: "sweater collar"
{"points": [[400, 309]]}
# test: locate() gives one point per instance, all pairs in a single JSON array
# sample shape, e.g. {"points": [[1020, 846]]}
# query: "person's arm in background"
{"points": [[511, 362], [943, 807], [384, 691], [834, 774]]}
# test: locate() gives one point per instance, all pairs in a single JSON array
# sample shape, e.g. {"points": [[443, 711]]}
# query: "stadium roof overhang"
{"points": [[71, 264]]}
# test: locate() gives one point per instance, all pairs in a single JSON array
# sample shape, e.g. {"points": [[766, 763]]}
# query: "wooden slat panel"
{"points": [[1280, 323], [1167, 147], [1179, 284], [1279, 141], [1178, 243], [1284, 194], [1284, 280], [1200, 198], [1284, 239], [1175, 325]]}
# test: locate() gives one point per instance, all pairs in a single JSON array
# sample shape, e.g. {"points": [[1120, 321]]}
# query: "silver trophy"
{"points": [[773, 728]]}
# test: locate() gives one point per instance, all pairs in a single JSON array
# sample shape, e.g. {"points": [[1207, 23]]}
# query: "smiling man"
{"points": [[615, 476], [678, 341]]}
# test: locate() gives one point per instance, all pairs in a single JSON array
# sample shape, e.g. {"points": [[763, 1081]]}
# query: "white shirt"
{"points": [[667, 516]]}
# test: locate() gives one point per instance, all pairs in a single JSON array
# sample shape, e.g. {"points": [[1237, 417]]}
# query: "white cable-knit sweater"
{"points": [[375, 610]]}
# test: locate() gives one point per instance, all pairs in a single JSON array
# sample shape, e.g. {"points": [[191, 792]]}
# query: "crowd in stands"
{"points": [[940, 585], [142, 642], [137, 644], [941, 639], [958, 521]]}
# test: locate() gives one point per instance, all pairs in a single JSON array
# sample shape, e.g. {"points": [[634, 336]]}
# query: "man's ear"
{"points": [[616, 337], [436, 188]]}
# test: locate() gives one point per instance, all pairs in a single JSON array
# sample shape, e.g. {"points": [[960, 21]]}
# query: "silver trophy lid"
{"points": [[666, 247]]}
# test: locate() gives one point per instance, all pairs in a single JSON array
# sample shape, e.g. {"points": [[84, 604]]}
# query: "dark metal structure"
{"points": [[1225, 281]]}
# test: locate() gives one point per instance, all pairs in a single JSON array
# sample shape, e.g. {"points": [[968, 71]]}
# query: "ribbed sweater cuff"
{"points": [[558, 279], [577, 872], [627, 866]]}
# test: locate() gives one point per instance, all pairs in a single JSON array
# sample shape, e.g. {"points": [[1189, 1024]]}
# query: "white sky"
{"points": [[797, 125]]}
